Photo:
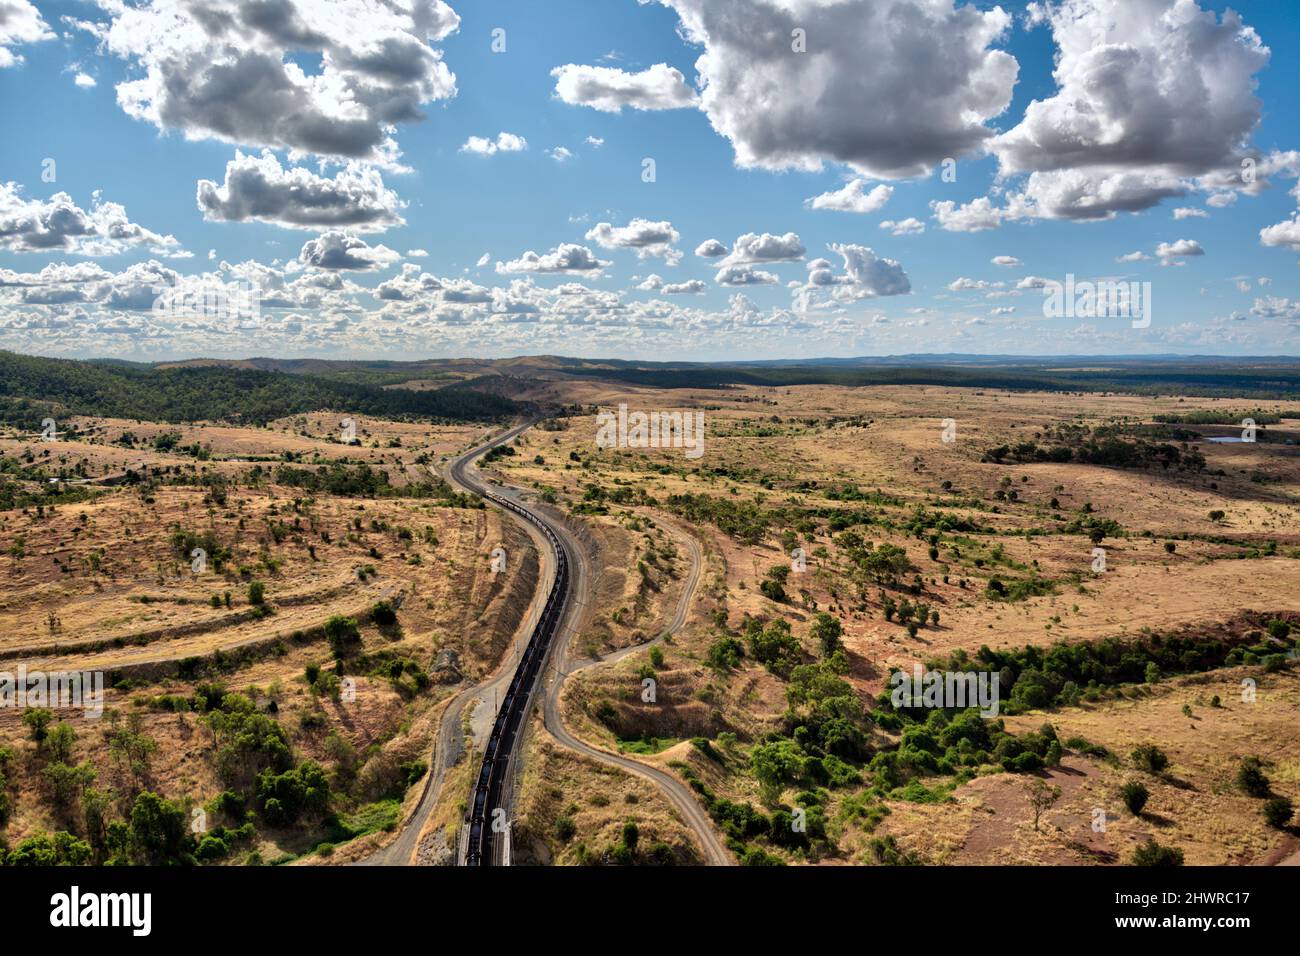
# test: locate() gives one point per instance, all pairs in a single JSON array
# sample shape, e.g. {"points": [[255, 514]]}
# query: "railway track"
{"points": [[487, 821], [488, 809]]}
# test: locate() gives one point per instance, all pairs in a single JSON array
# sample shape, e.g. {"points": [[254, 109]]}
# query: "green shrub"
{"points": [[342, 633], [773, 645], [1135, 794], [1152, 853], [725, 653], [286, 796], [1277, 812], [211, 848], [1150, 758], [1251, 778]]}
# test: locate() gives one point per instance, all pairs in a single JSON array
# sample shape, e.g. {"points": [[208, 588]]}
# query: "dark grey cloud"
{"points": [[259, 189], [340, 251]]}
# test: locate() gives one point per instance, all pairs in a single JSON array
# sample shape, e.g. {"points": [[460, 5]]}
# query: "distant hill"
{"points": [[1254, 378], [259, 389], [32, 388]]}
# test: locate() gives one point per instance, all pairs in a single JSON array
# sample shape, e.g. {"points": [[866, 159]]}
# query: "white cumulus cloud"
{"points": [[645, 237], [60, 225], [911, 226], [20, 22], [609, 89], [567, 258], [1169, 253], [504, 143], [1148, 95], [852, 96], [236, 71], [852, 198], [753, 249]]}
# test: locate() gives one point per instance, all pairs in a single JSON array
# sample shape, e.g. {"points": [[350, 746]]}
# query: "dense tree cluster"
{"points": [[32, 388], [1110, 446], [742, 520], [1033, 678]]}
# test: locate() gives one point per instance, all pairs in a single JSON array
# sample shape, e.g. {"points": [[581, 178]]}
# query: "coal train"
{"points": [[496, 757]]}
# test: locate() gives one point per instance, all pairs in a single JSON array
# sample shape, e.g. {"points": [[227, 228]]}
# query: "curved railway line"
{"points": [[491, 798], [488, 806]]}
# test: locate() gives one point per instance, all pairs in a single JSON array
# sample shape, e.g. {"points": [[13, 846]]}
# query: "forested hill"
{"points": [[32, 387]]}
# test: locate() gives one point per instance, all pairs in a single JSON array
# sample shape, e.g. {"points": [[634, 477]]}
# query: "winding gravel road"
{"points": [[678, 794]]}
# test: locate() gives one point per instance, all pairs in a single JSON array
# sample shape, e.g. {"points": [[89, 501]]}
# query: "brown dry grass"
{"points": [[99, 585], [598, 799], [890, 439]]}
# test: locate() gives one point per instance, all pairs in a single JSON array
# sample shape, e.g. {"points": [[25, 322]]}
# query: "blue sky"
{"points": [[1153, 111]]}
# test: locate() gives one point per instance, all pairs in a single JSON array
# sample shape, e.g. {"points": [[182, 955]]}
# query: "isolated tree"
{"points": [[1041, 797], [341, 632], [131, 746], [773, 645], [885, 564], [38, 720], [383, 613], [67, 784], [631, 834], [18, 550], [157, 829], [776, 765], [95, 809], [60, 741]]}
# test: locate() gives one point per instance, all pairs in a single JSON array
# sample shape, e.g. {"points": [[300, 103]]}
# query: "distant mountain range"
{"points": [[257, 390]]}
